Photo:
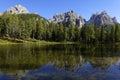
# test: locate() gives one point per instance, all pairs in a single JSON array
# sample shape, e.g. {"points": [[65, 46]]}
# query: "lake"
{"points": [[59, 62]]}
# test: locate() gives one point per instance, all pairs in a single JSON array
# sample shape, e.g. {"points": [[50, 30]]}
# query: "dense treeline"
{"points": [[32, 26]]}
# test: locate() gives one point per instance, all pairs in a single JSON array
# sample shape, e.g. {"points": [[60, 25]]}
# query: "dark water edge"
{"points": [[59, 62]]}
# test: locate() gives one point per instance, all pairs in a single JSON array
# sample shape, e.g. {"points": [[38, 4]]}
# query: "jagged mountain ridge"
{"points": [[101, 19], [98, 19], [114, 20], [68, 16], [17, 9]]}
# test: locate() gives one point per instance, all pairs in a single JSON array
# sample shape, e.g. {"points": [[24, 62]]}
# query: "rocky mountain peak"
{"points": [[103, 13], [101, 19], [17, 9], [114, 20], [68, 16]]}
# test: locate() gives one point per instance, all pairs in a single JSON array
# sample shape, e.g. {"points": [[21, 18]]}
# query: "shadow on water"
{"points": [[59, 62]]}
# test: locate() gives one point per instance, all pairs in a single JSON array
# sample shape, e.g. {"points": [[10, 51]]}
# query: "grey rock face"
{"points": [[68, 16], [0, 14], [114, 20], [17, 9], [101, 19]]}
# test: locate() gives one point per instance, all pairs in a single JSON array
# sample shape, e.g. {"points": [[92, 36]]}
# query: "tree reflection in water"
{"points": [[66, 62]]}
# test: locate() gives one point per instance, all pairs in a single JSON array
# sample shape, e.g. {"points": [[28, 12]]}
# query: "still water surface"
{"points": [[59, 62]]}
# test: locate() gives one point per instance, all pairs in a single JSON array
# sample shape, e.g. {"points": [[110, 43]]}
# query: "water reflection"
{"points": [[85, 72], [71, 61]]}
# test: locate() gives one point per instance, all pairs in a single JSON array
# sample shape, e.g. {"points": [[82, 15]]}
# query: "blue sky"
{"points": [[85, 8]]}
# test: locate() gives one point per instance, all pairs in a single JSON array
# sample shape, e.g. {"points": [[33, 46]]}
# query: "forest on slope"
{"points": [[33, 26]]}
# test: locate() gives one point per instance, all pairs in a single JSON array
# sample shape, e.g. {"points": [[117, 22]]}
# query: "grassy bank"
{"points": [[31, 41], [6, 42], [42, 42]]}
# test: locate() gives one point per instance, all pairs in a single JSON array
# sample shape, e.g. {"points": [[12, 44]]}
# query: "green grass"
{"points": [[19, 41], [34, 41], [49, 42], [6, 42]]}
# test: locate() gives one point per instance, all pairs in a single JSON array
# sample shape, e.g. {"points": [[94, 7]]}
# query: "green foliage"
{"points": [[32, 26], [117, 33], [102, 34]]}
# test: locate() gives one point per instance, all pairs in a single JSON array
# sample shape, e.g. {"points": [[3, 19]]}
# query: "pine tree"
{"points": [[117, 33]]}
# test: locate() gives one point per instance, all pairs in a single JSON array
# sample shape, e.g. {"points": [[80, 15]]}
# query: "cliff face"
{"points": [[17, 9], [98, 19], [101, 19], [68, 16]]}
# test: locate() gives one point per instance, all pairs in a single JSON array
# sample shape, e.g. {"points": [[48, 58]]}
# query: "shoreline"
{"points": [[19, 41], [42, 42]]}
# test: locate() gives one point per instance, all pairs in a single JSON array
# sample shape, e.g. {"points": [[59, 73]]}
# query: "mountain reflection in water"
{"points": [[59, 62], [85, 72]]}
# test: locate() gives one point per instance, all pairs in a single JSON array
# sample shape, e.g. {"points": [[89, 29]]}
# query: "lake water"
{"points": [[59, 62]]}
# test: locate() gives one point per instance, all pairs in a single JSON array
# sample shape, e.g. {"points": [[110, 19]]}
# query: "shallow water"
{"points": [[59, 62]]}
